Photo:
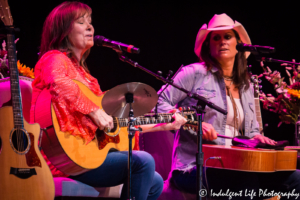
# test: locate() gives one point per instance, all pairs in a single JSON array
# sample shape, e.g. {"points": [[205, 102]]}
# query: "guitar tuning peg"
{"points": [[193, 129], [259, 80], [159, 73], [184, 128], [189, 128], [195, 122], [189, 108], [180, 109], [260, 86]]}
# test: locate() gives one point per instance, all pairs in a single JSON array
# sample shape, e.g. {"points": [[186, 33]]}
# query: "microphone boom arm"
{"points": [[170, 82], [260, 58]]}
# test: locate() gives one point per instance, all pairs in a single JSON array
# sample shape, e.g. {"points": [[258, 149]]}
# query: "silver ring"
{"points": [[108, 130]]}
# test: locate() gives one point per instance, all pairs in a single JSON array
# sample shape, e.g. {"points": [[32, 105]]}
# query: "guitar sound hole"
{"points": [[20, 140], [115, 125]]}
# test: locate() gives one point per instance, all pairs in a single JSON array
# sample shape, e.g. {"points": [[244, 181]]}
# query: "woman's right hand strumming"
{"points": [[101, 119]]}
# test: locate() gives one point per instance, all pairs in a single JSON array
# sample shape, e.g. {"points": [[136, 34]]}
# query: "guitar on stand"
{"points": [[24, 172]]}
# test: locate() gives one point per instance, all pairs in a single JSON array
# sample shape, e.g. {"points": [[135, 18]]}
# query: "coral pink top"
{"points": [[55, 72]]}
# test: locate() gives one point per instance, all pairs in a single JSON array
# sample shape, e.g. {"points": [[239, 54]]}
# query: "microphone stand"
{"points": [[132, 129], [171, 79], [202, 103]]}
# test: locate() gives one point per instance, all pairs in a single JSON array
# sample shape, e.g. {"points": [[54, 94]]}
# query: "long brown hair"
{"points": [[240, 74], [57, 27]]}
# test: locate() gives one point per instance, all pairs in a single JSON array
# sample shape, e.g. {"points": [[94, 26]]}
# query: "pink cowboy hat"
{"points": [[221, 22]]}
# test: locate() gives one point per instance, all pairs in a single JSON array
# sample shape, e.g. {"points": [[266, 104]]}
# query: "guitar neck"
{"points": [[14, 82], [258, 114], [148, 119], [256, 87]]}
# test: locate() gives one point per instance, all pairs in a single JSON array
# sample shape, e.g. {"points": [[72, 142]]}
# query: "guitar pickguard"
{"points": [[103, 139], [31, 157]]}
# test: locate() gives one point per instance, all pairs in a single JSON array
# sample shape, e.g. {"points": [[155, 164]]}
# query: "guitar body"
{"points": [[71, 154], [26, 176], [250, 160]]}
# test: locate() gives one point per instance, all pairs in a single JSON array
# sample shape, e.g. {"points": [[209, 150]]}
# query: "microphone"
{"points": [[117, 46], [254, 48]]}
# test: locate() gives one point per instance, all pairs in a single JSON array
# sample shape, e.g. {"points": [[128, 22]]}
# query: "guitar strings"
{"points": [[164, 117], [145, 120]]}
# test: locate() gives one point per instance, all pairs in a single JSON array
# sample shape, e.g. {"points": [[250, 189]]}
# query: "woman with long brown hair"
{"points": [[221, 77], [66, 41]]}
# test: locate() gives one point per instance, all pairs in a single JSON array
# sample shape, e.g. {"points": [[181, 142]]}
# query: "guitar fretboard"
{"points": [[258, 114], [14, 82], [149, 119]]}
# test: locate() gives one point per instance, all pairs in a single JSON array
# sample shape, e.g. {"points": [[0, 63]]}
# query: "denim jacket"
{"points": [[197, 79]]}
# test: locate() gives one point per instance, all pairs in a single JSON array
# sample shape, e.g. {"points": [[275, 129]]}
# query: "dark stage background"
{"points": [[165, 31]]}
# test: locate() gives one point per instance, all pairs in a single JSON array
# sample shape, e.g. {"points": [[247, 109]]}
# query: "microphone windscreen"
{"points": [[240, 47], [98, 40]]}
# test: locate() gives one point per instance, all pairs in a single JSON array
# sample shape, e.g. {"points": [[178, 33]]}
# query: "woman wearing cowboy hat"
{"points": [[221, 77]]}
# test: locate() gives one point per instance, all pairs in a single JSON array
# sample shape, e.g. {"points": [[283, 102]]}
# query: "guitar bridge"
{"points": [[22, 173]]}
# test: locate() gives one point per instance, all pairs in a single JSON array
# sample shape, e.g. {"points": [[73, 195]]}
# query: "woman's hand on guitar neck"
{"points": [[179, 120], [101, 119], [175, 125], [264, 139], [209, 133]]}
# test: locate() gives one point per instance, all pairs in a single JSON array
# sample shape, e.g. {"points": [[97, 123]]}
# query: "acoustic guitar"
{"points": [[24, 172], [71, 154]]}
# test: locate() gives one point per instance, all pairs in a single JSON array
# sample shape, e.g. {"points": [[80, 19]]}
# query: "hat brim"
{"points": [[203, 32]]}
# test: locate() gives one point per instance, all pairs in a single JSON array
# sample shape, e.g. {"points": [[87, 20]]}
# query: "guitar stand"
{"points": [[131, 130]]}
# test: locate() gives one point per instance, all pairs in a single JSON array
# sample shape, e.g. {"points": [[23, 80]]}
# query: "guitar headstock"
{"points": [[5, 14], [256, 86], [191, 126], [191, 117]]}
